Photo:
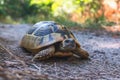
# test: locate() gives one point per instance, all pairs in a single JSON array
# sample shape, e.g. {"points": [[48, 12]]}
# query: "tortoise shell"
{"points": [[43, 34]]}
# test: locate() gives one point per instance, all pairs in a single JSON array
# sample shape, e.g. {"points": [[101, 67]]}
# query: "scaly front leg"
{"points": [[82, 53], [45, 54]]}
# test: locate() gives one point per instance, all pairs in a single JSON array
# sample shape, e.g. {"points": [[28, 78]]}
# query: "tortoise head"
{"points": [[68, 44]]}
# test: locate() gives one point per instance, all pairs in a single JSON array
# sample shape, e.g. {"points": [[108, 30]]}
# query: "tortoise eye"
{"points": [[67, 41]]}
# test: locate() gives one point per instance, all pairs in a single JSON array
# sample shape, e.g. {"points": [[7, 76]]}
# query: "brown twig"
{"points": [[55, 66], [16, 57]]}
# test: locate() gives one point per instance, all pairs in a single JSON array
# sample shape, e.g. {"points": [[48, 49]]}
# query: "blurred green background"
{"points": [[72, 13]]}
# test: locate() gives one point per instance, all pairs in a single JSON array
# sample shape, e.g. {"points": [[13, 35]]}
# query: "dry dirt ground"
{"points": [[15, 63]]}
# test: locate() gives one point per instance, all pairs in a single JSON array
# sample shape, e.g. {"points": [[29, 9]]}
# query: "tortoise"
{"points": [[49, 39]]}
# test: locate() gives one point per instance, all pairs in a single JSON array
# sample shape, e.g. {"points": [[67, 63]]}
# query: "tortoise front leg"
{"points": [[82, 53], [45, 54]]}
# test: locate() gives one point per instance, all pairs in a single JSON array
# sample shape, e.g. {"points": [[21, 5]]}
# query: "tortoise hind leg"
{"points": [[82, 53], [45, 54]]}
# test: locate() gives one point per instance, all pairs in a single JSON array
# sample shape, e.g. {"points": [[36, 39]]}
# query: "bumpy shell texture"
{"points": [[45, 33]]}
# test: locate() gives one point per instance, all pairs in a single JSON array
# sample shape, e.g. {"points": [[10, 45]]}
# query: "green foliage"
{"points": [[96, 23], [43, 7], [91, 24], [32, 11], [66, 22], [22, 8]]}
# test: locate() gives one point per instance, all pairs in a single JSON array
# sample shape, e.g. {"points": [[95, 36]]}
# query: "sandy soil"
{"points": [[15, 63]]}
